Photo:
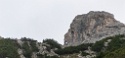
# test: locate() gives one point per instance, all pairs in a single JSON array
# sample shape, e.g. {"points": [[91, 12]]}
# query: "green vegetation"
{"points": [[99, 45], [27, 51], [45, 56], [84, 54], [29, 46], [52, 43], [73, 49], [8, 48], [115, 48], [116, 43], [119, 53]]}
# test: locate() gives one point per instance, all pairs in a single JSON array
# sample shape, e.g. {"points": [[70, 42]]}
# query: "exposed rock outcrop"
{"points": [[92, 27], [42, 48]]}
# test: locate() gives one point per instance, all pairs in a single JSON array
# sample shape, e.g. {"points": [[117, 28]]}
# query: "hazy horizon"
{"points": [[41, 19]]}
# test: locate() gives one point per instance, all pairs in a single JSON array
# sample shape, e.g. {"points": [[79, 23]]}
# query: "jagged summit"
{"points": [[91, 27]]}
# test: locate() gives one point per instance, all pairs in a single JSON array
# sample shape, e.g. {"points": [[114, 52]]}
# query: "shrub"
{"points": [[8, 48], [52, 43], [73, 49]]}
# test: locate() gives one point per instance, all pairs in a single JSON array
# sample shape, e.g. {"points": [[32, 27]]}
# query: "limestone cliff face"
{"points": [[91, 27]]}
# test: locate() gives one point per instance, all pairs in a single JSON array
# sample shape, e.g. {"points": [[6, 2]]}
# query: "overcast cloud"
{"points": [[40, 19]]}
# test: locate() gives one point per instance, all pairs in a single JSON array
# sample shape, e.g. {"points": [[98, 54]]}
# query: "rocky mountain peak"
{"points": [[91, 27]]}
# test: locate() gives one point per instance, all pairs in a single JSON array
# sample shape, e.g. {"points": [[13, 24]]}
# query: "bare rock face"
{"points": [[91, 27]]}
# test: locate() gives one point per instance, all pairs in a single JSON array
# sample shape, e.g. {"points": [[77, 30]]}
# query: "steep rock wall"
{"points": [[91, 27]]}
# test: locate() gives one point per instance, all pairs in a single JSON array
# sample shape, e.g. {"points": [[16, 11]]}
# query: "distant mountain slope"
{"points": [[92, 27]]}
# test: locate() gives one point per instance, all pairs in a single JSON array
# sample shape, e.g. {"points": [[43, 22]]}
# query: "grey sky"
{"points": [[40, 19]]}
